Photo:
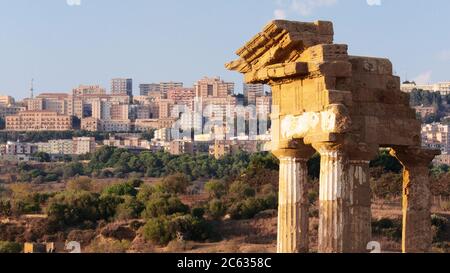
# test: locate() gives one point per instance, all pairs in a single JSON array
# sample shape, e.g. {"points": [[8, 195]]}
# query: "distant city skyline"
{"points": [[62, 44]]}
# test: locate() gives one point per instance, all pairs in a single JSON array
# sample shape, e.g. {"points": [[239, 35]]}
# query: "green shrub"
{"points": [[9, 247], [162, 230], [163, 205], [440, 225], [129, 209], [215, 189], [73, 208], [198, 212], [388, 228], [121, 189], [156, 230], [175, 184], [240, 190], [216, 209]]}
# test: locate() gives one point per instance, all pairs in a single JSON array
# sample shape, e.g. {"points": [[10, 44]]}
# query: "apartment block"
{"points": [[436, 136], [213, 87], [122, 86], [148, 88], [38, 121], [251, 92], [83, 145]]}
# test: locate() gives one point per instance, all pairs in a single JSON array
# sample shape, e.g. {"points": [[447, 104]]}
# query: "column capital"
{"points": [[304, 152], [414, 156], [326, 147]]}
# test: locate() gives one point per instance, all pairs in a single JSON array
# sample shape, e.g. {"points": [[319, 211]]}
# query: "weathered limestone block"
{"points": [[293, 207], [335, 199], [371, 65], [417, 234], [325, 53]]}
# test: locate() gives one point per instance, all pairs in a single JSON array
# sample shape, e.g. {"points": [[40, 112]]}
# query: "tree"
{"points": [[73, 209], [175, 184], [164, 205], [73, 169], [121, 189], [42, 157], [80, 184], [215, 189], [9, 247]]}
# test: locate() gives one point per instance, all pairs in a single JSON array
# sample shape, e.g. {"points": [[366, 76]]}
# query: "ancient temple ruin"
{"points": [[346, 108]]}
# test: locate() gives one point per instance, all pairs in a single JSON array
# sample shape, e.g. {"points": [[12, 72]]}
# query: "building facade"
{"points": [[38, 121]]}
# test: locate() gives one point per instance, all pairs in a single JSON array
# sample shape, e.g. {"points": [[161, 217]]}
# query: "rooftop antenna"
{"points": [[32, 89]]}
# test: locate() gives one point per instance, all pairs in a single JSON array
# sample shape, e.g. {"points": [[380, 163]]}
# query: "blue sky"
{"points": [[62, 45]]}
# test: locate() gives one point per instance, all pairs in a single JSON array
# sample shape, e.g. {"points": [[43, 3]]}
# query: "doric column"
{"points": [[334, 219], [417, 234], [293, 205]]}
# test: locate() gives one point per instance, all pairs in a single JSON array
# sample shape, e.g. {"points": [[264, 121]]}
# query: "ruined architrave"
{"points": [[346, 108]]}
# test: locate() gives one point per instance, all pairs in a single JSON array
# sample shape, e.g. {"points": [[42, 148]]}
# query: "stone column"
{"points": [[334, 219], [360, 205], [417, 233], [293, 207]]}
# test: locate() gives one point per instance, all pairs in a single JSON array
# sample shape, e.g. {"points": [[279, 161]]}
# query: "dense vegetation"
{"points": [[239, 186], [431, 99]]}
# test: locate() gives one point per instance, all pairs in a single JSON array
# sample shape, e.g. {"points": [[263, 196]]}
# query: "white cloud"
{"points": [[279, 14], [424, 78], [444, 55], [374, 2], [73, 2], [306, 7]]}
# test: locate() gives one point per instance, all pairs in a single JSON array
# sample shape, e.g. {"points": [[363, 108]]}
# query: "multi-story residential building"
{"points": [[121, 86], [442, 87], [181, 94], [424, 111], [55, 102], [17, 148], [166, 86], [224, 147], [436, 136], [165, 108], [442, 160], [88, 90], [56, 147], [84, 145], [10, 110], [145, 125], [7, 101], [264, 105], [213, 87], [119, 111], [38, 121], [90, 124], [127, 142], [115, 125], [166, 122], [149, 88], [253, 91], [163, 134], [180, 147], [107, 109]]}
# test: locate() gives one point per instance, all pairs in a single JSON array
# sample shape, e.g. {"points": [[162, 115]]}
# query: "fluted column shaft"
{"points": [[334, 219], [293, 204]]}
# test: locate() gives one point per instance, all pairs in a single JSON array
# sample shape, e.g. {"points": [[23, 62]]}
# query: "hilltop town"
{"points": [[169, 171]]}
